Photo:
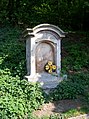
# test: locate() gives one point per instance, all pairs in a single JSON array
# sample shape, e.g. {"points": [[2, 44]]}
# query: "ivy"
{"points": [[18, 97]]}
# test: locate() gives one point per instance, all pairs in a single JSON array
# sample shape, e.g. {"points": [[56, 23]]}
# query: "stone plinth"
{"points": [[46, 80]]}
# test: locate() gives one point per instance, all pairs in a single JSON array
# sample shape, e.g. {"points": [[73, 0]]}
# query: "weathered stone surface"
{"points": [[43, 44], [46, 80], [44, 53]]}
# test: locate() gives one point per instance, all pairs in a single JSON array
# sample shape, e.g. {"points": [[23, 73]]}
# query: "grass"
{"points": [[76, 112]]}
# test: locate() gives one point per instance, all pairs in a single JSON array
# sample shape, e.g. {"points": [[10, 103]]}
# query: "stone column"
{"points": [[30, 55], [59, 57], [32, 66]]}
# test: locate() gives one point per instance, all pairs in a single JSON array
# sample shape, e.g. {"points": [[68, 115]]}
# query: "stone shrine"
{"points": [[43, 44]]}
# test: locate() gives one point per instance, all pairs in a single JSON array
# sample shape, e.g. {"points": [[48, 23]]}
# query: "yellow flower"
{"points": [[50, 63], [47, 67], [50, 67], [54, 67], [50, 71]]}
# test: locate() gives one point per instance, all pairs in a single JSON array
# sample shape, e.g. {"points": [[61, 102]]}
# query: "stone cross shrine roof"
{"points": [[42, 27]]}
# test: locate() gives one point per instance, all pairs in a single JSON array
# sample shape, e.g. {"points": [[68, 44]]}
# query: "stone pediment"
{"points": [[43, 27]]}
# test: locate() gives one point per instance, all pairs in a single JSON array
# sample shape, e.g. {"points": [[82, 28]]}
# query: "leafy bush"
{"points": [[18, 98], [76, 52], [70, 89], [12, 52], [34, 12], [67, 90], [83, 78], [80, 78]]}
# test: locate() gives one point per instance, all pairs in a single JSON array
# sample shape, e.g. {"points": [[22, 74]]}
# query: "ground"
{"points": [[58, 107]]}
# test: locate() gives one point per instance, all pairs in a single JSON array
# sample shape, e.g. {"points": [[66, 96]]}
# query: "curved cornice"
{"points": [[44, 27], [50, 27]]}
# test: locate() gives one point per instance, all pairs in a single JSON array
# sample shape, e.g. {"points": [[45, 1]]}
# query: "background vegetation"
{"points": [[69, 14]]}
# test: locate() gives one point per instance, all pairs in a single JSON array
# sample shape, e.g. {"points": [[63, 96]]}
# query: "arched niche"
{"points": [[44, 53]]}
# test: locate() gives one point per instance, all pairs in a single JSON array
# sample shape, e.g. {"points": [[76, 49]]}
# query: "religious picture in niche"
{"points": [[44, 53]]}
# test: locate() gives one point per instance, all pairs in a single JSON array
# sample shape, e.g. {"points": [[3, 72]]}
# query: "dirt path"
{"points": [[58, 107]]}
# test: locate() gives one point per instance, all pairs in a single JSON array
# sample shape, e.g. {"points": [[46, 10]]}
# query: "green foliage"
{"points": [[18, 98], [67, 90], [63, 13], [79, 58], [76, 52], [12, 52], [82, 78], [76, 112], [70, 89]]}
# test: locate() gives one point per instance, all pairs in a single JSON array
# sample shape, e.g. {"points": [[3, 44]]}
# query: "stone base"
{"points": [[47, 81]]}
